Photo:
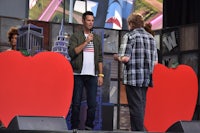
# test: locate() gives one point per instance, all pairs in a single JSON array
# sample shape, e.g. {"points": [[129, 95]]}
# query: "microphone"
{"points": [[91, 31]]}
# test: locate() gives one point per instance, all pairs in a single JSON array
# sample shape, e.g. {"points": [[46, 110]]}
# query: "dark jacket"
{"points": [[77, 59]]}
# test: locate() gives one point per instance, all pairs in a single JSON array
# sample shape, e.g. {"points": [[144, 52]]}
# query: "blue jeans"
{"points": [[136, 97], [90, 84]]}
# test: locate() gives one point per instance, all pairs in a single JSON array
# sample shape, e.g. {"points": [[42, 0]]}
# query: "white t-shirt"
{"points": [[88, 60]]}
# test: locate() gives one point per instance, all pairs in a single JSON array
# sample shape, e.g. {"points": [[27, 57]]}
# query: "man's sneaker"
{"points": [[88, 128], [75, 131]]}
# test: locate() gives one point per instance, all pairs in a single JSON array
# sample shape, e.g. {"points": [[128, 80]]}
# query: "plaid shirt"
{"points": [[141, 48]]}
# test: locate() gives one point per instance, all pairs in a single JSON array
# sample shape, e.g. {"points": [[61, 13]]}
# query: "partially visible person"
{"points": [[12, 37], [148, 28], [85, 50], [139, 60]]}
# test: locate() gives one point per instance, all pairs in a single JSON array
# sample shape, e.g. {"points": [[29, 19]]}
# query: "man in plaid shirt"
{"points": [[139, 60]]}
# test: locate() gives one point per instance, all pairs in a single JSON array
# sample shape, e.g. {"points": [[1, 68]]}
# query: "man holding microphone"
{"points": [[85, 50]]}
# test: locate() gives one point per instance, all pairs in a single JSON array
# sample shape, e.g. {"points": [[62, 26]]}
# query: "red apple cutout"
{"points": [[41, 85], [172, 98]]}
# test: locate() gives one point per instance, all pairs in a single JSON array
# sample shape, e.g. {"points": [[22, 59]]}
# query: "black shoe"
{"points": [[75, 131]]}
